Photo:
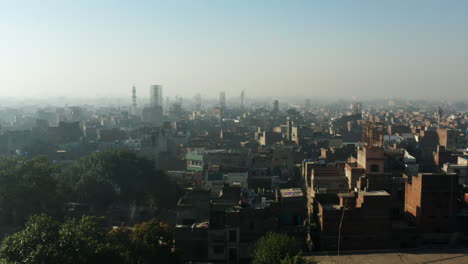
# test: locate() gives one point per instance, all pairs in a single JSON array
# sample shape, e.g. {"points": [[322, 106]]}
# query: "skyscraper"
{"points": [[242, 99], [275, 106], [156, 98], [134, 103], [222, 100]]}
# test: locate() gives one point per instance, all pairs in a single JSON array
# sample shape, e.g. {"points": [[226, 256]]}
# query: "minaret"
{"points": [[134, 105]]}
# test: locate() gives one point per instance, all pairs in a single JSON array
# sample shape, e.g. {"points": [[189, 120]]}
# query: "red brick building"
{"points": [[431, 202], [366, 222]]}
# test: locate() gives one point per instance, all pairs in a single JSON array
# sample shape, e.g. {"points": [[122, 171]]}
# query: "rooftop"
{"points": [[346, 195], [375, 193], [292, 192]]}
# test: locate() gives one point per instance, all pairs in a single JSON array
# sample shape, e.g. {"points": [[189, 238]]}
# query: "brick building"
{"points": [[366, 222], [431, 202]]}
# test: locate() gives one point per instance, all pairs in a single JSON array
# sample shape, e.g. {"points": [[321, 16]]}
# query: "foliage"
{"points": [[274, 248], [82, 240], [44, 240], [297, 259], [27, 186], [117, 175], [149, 242]]}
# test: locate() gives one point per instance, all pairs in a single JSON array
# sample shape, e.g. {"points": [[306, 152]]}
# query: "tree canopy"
{"points": [[34, 186], [117, 175], [27, 186], [83, 240], [275, 248]]}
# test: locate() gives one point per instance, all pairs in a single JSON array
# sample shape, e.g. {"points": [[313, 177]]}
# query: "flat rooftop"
{"points": [[375, 193], [346, 195], [292, 192]]}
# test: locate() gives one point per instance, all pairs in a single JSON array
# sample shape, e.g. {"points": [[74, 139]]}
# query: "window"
{"points": [[374, 168]]}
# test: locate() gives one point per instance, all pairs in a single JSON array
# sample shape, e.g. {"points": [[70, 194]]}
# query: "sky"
{"points": [[347, 48]]}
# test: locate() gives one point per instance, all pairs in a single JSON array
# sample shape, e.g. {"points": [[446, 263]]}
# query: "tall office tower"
{"points": [[356, 108], [134, 105], [222, 100], [156, 98], [197, 102], [275, 106], [242, 97]]}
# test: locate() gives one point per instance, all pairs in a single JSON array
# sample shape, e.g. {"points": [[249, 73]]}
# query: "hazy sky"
{"points": [[265, 47]]}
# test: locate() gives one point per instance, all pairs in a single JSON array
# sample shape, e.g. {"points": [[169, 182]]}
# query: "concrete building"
{"points": [[460, 168], [156, 96]]}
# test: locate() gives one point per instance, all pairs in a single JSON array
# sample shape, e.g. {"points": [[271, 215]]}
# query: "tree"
{"points": [[27, 187], [149, 242], [34, 244], [298, 259], [274, 248], [83, 240], [117, 175], [47, 241]]}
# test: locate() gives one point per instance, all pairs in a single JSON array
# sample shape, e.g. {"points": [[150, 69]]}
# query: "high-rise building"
{"points": [[276, 106], [156, 97], [242, 97], [134, 103], [222, 100], [154, 113]]}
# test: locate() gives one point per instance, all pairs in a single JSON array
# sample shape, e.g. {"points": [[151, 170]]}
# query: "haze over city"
{"points": [[233, 132], [407, 49]]}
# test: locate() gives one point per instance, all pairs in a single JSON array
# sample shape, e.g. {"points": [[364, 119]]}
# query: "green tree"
{"points": [[298, 259], [274, 248], [35, 244], [83, 240], [47, 241], [27, 187], [117, 175], [149, 242]]}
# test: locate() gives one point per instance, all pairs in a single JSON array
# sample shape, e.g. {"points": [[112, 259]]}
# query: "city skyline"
{"points": [[266, 48]]}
